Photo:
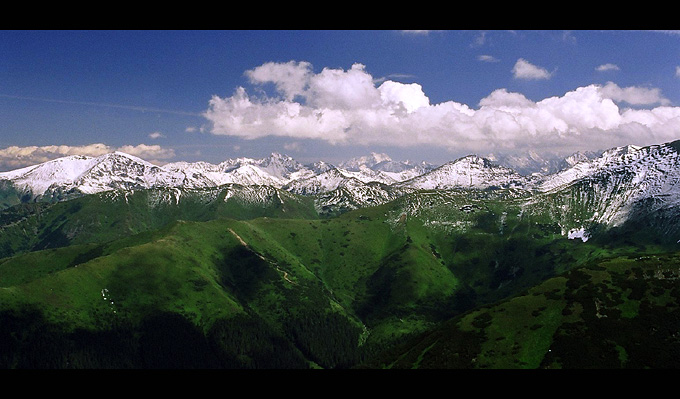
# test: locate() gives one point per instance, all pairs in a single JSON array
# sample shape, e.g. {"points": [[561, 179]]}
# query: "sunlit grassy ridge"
{"points": [[111, 215]]}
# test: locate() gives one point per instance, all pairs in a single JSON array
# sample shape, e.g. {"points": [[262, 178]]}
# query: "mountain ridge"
{"points": [[277, 170], [616, 183]]}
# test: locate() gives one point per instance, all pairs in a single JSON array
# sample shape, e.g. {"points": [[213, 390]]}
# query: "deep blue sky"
{"points": [[77, 88]]}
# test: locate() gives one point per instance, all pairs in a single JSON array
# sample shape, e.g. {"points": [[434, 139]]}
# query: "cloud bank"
{"points": [[349, 107], [15, 157]]}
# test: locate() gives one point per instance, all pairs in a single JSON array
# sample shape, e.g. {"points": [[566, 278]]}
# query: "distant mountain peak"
{"points": [[370, 160], [278, 156], [472, 159], [469, 171]]}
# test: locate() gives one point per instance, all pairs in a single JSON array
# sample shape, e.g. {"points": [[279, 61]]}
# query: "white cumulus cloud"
{"points": [[523, 69], [290, 78], [410, 96], [349, 107], [634, 95]]}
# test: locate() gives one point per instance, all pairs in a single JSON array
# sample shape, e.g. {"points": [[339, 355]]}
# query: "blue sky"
{"points": [[331, 95]]}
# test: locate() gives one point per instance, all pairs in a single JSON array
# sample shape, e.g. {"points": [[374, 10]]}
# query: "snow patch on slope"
{"points": [[578, 233]]}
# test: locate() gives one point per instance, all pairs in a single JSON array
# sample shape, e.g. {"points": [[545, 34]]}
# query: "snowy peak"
{"points": [[378, 167], [320, 167], [326, 181], [577, 157], [61, 171], [369, 161], [91, 175], [624, 183], [276, 169], [119, 170], [621, 151], [470, 171], [284, 167], [532, 162], [249, 175], [626, 158], [330, 178]]}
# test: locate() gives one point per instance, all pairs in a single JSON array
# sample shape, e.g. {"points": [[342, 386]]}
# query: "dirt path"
{"points": [[283, 272], [238, 237]]}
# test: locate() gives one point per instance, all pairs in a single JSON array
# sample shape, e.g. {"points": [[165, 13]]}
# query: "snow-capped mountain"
{"points": [[369, 161], [607, 190], [354, 194], [471, 172], [532, 162], [323, 182], [283, 171], [38, 178], [79, 175], [275, 170], [380, 167], [282, 168], [89, 175], [624, 182], [573, 159], [585, 167]]}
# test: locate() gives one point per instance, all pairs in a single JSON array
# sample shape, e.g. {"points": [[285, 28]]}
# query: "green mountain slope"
{"points": [[197, 278], [111, 215], [123, 280], [618, 313]]}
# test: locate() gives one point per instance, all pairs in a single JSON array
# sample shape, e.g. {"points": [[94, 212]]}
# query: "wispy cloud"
{"points": [[607, 67], [295, 146], [156, 135], [96, 104], [416, 32], [479, 40], [400, 76], [568, 37], [668, 32], [487, 58]]}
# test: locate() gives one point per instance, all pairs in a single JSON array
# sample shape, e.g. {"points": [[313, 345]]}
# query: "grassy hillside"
{"points": [[103, 217], [617, 313], [277, 287], [198, 278]]}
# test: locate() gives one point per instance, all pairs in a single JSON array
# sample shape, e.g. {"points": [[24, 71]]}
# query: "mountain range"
{"points": [[616, 181], [112, 262]]}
